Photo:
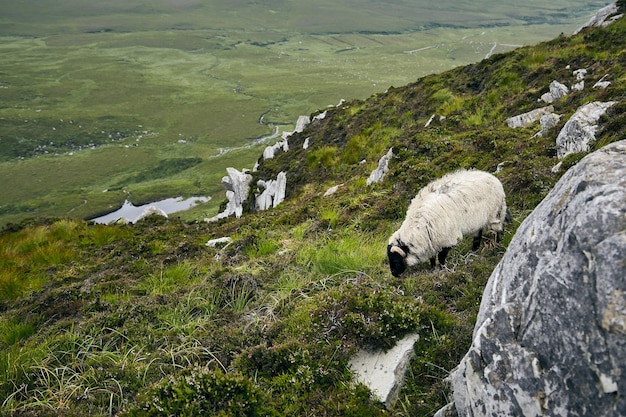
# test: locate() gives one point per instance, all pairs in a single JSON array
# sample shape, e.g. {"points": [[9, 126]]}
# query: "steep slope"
{"points": [[146, 319]]}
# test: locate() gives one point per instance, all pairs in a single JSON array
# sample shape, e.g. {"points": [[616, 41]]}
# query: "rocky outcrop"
{"points": [[528, 118], [550, 337], [237, 186], [383, 166], [604, 17], [580, 130], [273, 192]]}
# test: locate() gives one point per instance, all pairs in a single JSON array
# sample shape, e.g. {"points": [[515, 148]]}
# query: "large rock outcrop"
{"points": [[237, 184], [550, 337]]}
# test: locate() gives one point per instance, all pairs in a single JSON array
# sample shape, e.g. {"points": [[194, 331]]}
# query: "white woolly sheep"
{"points": [[461, 203]]}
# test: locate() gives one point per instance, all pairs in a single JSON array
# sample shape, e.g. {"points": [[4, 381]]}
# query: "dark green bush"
{"points": [[204, 392]]}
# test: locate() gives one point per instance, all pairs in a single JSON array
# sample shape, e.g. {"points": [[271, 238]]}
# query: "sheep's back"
{"points": [[457, 205]]}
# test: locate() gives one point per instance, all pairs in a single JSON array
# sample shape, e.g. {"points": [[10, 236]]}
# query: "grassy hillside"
{"points": [[91, 93], [146, 319]]}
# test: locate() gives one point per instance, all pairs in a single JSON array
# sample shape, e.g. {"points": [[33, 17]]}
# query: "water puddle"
{"points": [[132, 212]]}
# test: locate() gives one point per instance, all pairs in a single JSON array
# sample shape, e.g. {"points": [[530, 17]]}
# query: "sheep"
{"points": [[461, 203]]}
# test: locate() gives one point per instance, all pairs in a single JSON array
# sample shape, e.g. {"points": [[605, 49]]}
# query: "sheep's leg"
{"points": [[477, 239], [432, 262], [442, 255]]}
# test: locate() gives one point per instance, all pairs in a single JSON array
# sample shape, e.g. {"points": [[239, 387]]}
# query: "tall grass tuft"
{"points": [[168, 280], [349, 253]]}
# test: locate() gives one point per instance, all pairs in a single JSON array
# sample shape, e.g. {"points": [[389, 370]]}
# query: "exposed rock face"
{"points": [[237, 186], [580, 130], [383, 166], [550, 337], [528, 118], [273, 193]]}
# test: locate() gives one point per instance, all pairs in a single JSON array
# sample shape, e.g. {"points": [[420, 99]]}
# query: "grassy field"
{"points": [[93, 93]]}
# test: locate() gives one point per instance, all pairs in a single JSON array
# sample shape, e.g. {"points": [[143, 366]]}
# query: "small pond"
{"points": [[132, 212]]}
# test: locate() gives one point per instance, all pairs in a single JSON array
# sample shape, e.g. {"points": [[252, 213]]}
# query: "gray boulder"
{"points": [[550, 337], [580, 130]]}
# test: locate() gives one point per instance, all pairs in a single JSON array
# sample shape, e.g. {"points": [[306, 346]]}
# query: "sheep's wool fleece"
{"points": [[442, 213]]}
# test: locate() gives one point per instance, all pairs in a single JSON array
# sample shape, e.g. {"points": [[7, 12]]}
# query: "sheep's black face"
{"points": [[397, 259]]}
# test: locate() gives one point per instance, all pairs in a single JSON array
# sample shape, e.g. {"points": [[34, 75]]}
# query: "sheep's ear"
{"points": [[398, 250]]}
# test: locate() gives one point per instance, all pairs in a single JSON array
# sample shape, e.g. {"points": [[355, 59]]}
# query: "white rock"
{"points": [[383, 166], [383, 372], [273, 193], [528, 118], [237, 186], [332, 190], [149, 211], [548, 121], [580, 130], [557, 91], [214, 242]]}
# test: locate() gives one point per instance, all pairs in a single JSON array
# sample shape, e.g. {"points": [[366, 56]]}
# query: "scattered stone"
{"points": [[383, 372], [305, 145], [528, 118], [580, 130], [550, 335], [219, 241], [332, 190], [602, 84], [383, 166], [580, 74], [557, 91]]}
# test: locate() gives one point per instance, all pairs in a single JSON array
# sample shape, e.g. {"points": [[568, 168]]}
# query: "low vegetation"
{"points": [[146, 319]]}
